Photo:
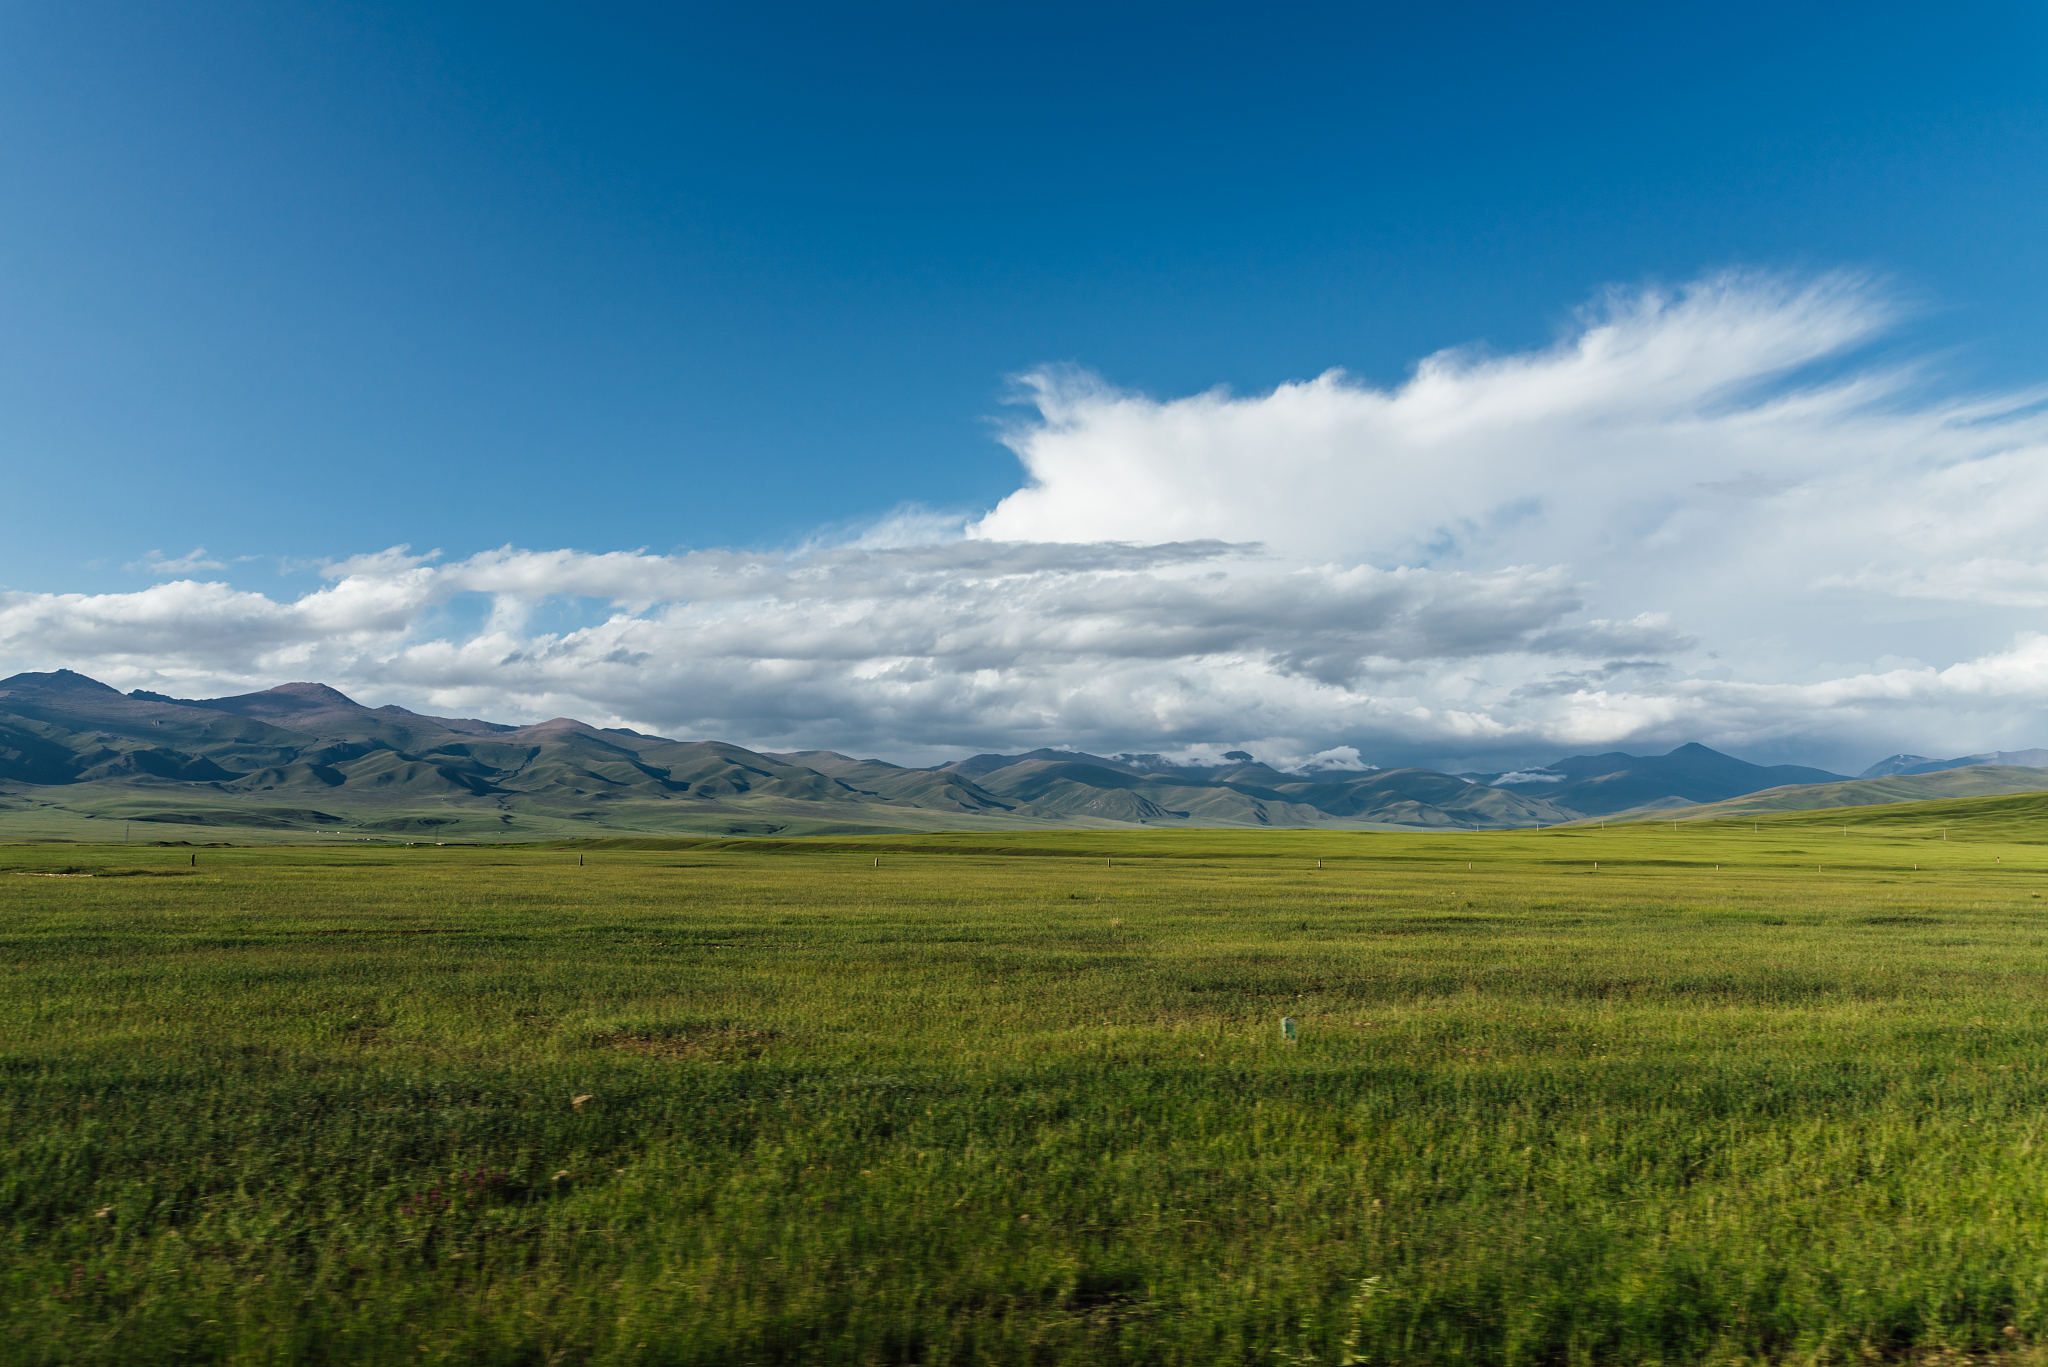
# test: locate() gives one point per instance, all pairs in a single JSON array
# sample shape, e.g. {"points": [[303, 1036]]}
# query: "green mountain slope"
{"points": [[938, 789], [1424, 797], [1977, 780], [1252, 794], [1066, 787]]}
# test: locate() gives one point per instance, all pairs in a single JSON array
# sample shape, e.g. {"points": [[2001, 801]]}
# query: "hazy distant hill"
{"points": [[305, 757], [1598, 785], [1987, 780], [1920, 764]]}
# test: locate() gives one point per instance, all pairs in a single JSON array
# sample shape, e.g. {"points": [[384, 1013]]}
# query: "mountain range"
{"points": [[303, 759]]}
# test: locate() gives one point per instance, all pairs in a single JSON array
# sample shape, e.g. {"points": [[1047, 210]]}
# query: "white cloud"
{"points": [[1663, 527], [1345, 757], [1655, 393], [969, 644]]}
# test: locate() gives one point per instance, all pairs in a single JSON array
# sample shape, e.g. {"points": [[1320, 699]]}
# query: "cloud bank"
{"points": [[1689, 517]]}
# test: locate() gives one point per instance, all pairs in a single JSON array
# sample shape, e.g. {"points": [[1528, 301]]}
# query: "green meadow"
{"points": [[1745, 1094]]}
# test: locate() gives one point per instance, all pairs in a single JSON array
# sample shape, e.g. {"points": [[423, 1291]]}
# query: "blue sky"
{"points": [[302, 280], [297, 283]]}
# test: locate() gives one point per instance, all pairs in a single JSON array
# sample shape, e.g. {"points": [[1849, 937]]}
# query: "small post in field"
{"points": [[878, 861], [1287, 1032]]}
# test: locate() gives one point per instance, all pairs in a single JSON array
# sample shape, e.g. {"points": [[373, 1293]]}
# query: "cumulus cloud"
{"points": [[1670, 436], [1653, 393], [1690, 517], [972, 643]]}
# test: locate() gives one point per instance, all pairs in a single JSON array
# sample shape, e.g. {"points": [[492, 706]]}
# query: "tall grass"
{"points": [[317, 1106]]}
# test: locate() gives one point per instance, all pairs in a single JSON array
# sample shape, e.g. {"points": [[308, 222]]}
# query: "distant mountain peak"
{"points": [[1892, 764], [315, 692], [560, 724], [59, 681]]}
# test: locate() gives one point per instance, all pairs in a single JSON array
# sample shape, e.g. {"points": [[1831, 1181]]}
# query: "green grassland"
{"points": [[95, 813], [1751, 1092]]}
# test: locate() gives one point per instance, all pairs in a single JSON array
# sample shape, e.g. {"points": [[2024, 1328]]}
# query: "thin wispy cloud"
{"points": [[192, 562]]}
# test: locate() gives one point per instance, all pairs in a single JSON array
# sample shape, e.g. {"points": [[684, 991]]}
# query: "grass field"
{"points": [[1007, 1102]]}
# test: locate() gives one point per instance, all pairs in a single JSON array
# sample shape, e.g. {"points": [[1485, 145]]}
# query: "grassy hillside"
{"points": [[100, 813], [1905, 790], [1762, 1094]]}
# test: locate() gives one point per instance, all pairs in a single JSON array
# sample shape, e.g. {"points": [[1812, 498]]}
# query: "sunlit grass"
{"points": [[999, 1101]]}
